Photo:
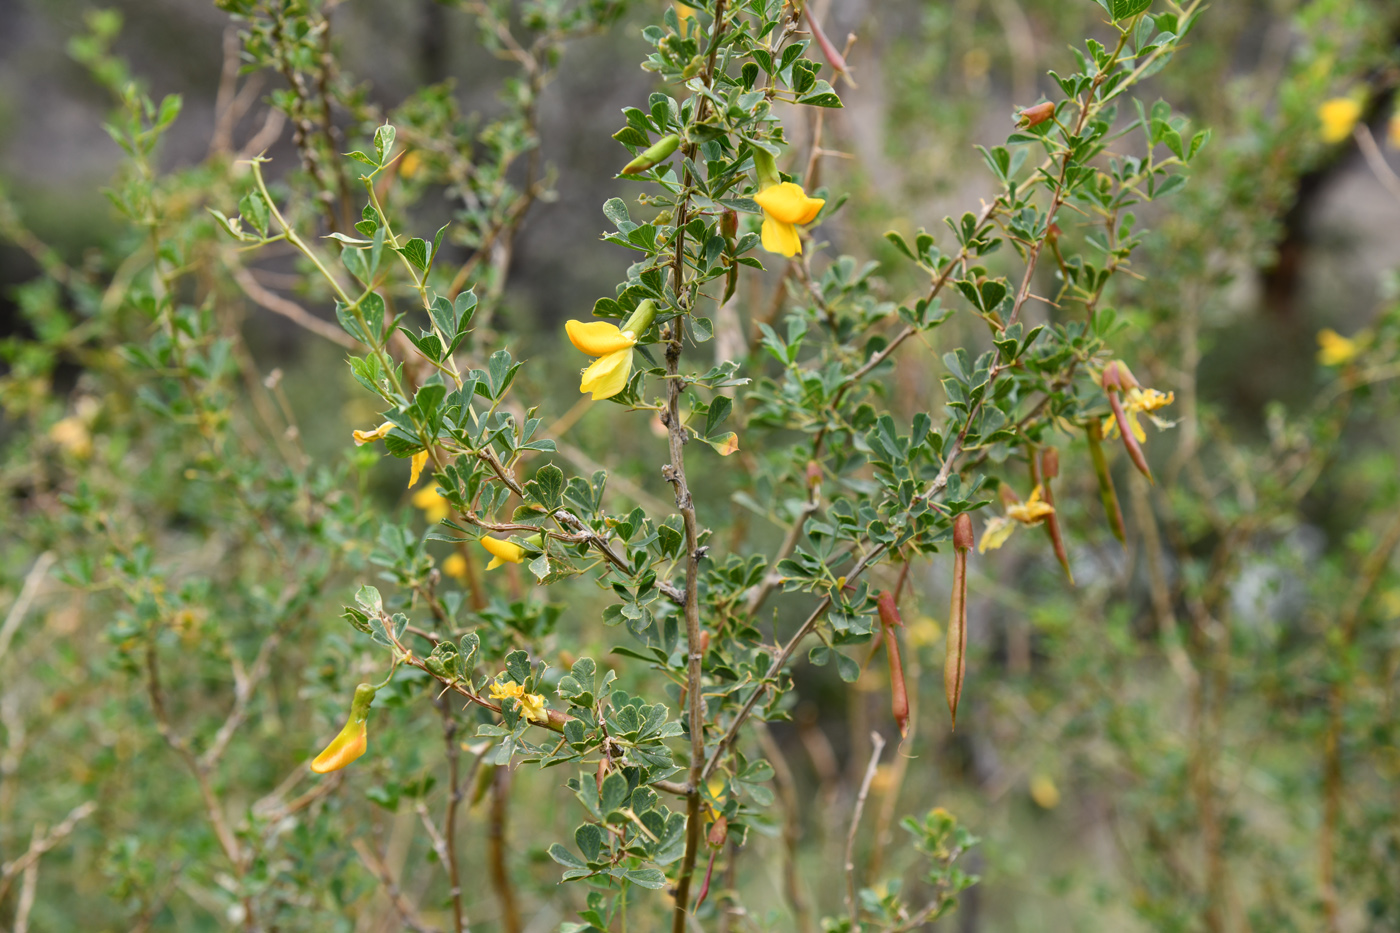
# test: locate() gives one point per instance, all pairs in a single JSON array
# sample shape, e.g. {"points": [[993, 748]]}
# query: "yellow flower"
{"points": [[353, 738], [409, 164], [1334, 349], [435, 507], [502, 551], [785, 208], [608, 374], [369, 437], [531, 704], [1138, 401], [995, 534], [1338, 116], [1392, 130], [1044, 792], [72, 435], [613, 345], [416, 467], [455, 567]]}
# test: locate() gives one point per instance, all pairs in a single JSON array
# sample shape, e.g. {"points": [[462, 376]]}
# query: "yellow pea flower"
{"points": [[1139, 401], [1338, 117], [532, 705], [785, 208], [1044, 792], [608, 374], [435, 507], [369, 437], [353, 738], [502, 551], [1334, 349]]}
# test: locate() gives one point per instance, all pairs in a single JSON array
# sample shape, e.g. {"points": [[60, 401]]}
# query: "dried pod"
{"points": [[955, 658], [899, 693], [1034, 116], [1044, 468]]}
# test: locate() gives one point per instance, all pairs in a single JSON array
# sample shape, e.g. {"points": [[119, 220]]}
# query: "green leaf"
{"points": [[254, 210], [646, 877], [615, 209], [848, 668], [589, 839], [821, 95], [384, 142], [416, 252], [564, 857], [1124, 9]]}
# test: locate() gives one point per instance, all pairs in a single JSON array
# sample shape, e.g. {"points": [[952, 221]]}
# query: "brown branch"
{"points": [[877, 743], [290, 310], [500, 875]]}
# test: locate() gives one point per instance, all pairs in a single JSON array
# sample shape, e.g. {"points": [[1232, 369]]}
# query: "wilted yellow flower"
{"points": [[502, 551], [435, 507], [1334, 349], [785, 208], [1044, 792], [353, 738], [1338, 117], [416, 467], [1140, 401], [72, 435], [1030, 511], [532, 705], [369, 437], [455, 566]]}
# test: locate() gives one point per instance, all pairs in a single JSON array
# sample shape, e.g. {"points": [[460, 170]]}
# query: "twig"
{"points": [[402, 907], [1379, 167], [500, 875], [42, 843], [877, 745], [32, 581], [290, 309]]}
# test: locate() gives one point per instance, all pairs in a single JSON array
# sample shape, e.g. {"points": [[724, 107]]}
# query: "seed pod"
{"points": [[719, 832], [899, 693], [1049, 468], [1130, 443], [650, 157], [1034, 116], [837, 60], [729, 224], [955, 658], [1107, 495]]}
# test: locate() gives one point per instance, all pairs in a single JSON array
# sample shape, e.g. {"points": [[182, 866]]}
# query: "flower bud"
{"points": [[658, 153], [719, 832], [353, 739]]}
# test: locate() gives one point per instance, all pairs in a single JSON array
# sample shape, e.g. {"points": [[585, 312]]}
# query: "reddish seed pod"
{"points": [[1034, 116], [962, 532], [719, 832], [899, 693]]}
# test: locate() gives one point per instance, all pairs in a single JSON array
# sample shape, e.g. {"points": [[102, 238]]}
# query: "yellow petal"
{"points": [[781, 238], [434, 506], [416, 467], [502, 551], [608, 375], [1136, 425], [1338, 117], [787, 203], [598, 338], [344, 748]]}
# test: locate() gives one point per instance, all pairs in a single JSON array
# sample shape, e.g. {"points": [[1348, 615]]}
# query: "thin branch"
{"points": [[27, 593], [406, 911], [43, 843], [877, 745], [290, 309]]}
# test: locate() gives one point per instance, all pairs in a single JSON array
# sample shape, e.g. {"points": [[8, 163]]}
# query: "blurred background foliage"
{"points": [[1200, 735]]}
